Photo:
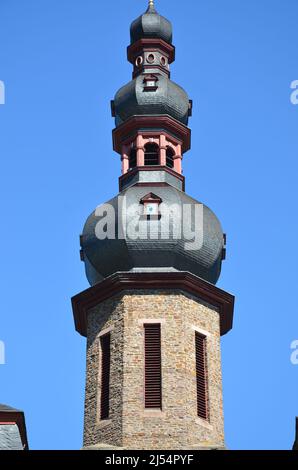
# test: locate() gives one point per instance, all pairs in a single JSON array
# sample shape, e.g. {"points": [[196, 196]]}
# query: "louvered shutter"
{"points": [[153, 395], [105, 376], [202, 376]]}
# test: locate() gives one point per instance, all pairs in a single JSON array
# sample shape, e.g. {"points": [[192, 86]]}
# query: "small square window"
{"points": [[151, 204], [151, 208], [150, 83]]}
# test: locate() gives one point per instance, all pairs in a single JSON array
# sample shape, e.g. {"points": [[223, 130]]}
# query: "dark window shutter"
{"points": [[133, 158], [202, 376], [105, 342], [170, 157], [153, 396], [151, 154]]}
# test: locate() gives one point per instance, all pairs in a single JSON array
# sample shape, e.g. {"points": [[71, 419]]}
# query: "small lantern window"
{"points": [[139, 61], [151, 204], [150, 58], [150, 83]]}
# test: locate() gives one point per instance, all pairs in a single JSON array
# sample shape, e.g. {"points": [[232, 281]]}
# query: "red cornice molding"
{"points": [[135, 170], [181, 281], [153, 184], [147, 44], [150, 197], [154, 124], [18, 418], [152, 133]]}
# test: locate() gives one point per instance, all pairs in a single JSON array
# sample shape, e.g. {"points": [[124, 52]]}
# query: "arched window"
{"points": [[170, 157], [151, 154], [132, 159]]}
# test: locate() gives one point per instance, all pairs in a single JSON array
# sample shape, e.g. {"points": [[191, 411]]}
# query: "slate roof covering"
{"points": [[8, 408], [169, 99], [151, 25], [105, 257], [13, 434], [10, 438]]}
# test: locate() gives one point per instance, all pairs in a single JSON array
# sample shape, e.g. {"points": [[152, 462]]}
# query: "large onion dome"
{"points": [[104, 257]]}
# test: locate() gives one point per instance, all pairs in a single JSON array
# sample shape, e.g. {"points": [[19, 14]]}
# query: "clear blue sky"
{"points": [[62, 61]]}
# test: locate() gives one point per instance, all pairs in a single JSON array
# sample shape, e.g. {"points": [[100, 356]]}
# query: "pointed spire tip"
{"points": [[151, 6]]}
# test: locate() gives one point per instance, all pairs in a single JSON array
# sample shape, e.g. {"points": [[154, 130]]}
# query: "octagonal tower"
{"points": [[153, 316]]}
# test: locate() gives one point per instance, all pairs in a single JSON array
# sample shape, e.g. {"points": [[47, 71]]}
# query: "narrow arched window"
{"points": [[151, 154], [133, 158], [170, 157]]}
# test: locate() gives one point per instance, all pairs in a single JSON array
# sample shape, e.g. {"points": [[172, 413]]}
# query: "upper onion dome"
{"points": [[169, 98], [151, 25]]}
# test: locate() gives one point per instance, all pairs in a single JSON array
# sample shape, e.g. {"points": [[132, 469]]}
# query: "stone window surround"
{"points": [[101, 422], [151, 413], [201, 331], [205, 423], [106, 331]]}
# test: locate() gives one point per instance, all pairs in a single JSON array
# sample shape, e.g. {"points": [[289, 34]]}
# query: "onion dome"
{"points": [[151, 25], [134, 100], [104, 257]]}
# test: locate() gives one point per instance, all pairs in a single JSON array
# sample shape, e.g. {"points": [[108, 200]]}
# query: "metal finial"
{"points": [[151, 6]]}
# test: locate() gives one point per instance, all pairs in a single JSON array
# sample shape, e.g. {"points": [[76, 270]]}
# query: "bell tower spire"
{"points": [[151, 112], [153, 316]]}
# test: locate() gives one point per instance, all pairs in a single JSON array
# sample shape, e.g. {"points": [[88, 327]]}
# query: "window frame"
{"points": [[202, 382], [105, 383], [152, 402]]}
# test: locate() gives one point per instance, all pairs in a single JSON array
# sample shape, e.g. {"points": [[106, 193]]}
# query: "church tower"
{"points": [[153, 316]]}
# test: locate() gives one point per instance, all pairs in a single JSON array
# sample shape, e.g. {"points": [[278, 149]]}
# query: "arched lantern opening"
{"points": [[151, 154]]}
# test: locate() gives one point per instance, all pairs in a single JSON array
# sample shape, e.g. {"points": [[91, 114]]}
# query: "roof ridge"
{"points": [[7, 408]]}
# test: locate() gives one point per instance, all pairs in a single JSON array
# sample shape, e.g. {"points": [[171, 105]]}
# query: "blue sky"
{"points": [[61, 62]]}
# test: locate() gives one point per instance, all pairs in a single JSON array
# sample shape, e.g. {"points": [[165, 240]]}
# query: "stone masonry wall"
{"points": [[176, 426], [109, 314]]}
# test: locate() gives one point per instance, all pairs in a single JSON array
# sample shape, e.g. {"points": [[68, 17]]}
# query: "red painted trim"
{"points": [[155, 125], [181, 281], [151, 197], [146, 45], [7, 423], [154, 184], [155, 134]]}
